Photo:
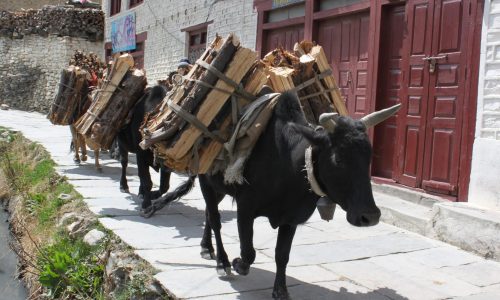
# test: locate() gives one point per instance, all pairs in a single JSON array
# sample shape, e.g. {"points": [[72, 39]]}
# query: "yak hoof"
{"points": [[84, 157], [224, 271], [76, 161], [281, 293], [241, 267], [124, 190], [207, 254], [99, 169]]}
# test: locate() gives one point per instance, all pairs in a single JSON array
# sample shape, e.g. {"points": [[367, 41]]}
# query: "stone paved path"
{"points": [[328, 260]]}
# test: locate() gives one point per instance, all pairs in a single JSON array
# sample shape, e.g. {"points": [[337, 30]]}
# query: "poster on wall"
{"points": [[281, 3], [123, 33]]}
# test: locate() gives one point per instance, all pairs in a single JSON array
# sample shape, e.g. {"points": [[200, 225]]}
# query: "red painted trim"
{"points": [[308, 21], [263, 5], [284, 23], [197, 27], [260, 33], [468, 132], [335, 12], [373, 59], [134, 5]]}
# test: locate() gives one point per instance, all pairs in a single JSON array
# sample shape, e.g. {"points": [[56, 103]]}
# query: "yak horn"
{"points": [[379, 116], [327, 121]]}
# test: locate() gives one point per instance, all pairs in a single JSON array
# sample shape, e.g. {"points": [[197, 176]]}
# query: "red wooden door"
{"points": [[345, 41], [285, 37], [446, 96], [389, 89], [428, 127], [413, 113]]}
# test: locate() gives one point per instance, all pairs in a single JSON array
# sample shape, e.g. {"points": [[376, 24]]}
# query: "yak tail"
{"points": [[161, 202]]}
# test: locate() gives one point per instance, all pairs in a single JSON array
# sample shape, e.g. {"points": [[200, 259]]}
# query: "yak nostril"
{"points": [[369, 219]]}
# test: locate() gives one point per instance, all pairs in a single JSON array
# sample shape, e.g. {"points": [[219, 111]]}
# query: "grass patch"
{"points": [[69, 267], [65, 267]]}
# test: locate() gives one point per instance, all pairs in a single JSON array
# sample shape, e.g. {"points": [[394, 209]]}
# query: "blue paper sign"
{"points": [[123, 33]]}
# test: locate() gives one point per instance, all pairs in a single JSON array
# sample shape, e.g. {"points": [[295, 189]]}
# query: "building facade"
{"points": [[169, 30], [438, 58]]}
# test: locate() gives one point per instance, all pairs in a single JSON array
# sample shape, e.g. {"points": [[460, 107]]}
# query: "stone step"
{"points": [[402, 213], [407, 194]]}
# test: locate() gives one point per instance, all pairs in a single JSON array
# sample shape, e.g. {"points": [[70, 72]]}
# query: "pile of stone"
{"points": [[70, 21]]}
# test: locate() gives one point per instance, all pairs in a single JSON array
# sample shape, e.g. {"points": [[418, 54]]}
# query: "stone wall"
{"points": [[11, 5], [163, 20], [61, 20], [30, 68], [484, 189]]}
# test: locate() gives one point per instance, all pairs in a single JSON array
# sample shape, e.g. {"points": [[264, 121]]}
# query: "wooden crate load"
{"points": [[226, 76], [114, 99], [71, 96], [308, 72]]}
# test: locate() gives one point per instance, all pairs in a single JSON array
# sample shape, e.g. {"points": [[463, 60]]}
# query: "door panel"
{"points": [[345, 41], [412, 116], [390, 84], [283, 37], [446, 90]]}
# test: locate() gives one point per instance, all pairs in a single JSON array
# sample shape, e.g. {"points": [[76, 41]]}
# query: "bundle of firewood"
{"points": [[70, 97], [112, 102], [70, 21], [308, 72], [187, 131], [90, 62]]}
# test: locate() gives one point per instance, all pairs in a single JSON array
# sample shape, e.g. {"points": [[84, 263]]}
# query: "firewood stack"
{"points": [[70, 97], [89, 62], [181, 144], [112, 103], [307, 70], [58, 20]]}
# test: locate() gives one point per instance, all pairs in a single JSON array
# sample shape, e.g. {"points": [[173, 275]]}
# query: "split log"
{"points": [[102, 99], [214, 101], [199, 91], [71, 95], [319, 55], [154, 131], [123, 100], [253, 83]]}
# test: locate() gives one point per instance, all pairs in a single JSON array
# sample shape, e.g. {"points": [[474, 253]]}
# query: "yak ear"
{"points": [[314, 137]]}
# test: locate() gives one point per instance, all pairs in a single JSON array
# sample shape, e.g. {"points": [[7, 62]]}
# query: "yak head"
{"points": [[341, 154]]}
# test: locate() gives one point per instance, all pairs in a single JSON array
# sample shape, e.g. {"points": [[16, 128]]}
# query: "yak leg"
{"points": [[164, 180], [207, 248], [82, 145], [212, 199], [145, 179], [164, 183], [124, 163], [74, 141], [245, 232], [96, 160], [281, 256]]}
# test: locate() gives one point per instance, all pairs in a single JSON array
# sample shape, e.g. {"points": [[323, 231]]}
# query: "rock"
{"points": [[74, 227], [65, 197], [66, 218], [4, 107], [93, 237]]}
